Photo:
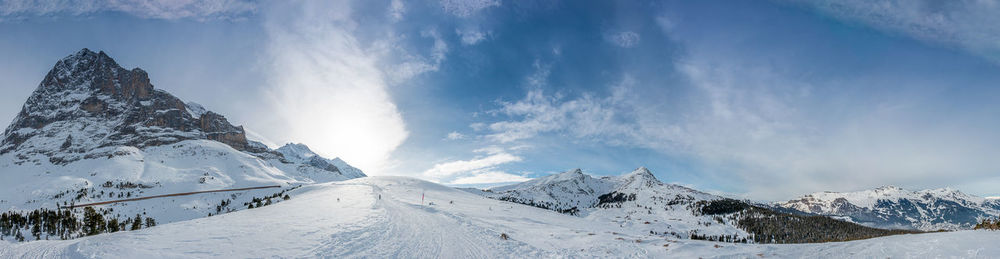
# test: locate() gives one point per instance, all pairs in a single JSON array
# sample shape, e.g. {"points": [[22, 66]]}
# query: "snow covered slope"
{"points": [[385, 217], [93, 131], [893, 207], [563, 192]]}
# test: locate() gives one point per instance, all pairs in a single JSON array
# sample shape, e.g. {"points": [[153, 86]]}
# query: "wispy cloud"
{"points": [[409, 64], [154, 9], [538, 113], [466, 8], [470, 36], [624, 39], [454, 135], [489, 177], [396, 10], [452, 169], [972, 25]]}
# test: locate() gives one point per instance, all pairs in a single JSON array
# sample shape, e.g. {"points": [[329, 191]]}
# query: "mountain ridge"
{"points": [[893, 207]]}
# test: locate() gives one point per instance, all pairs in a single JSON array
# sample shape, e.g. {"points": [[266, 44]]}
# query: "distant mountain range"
{"points": [[894, 207], [886, 207], [639, 201]]}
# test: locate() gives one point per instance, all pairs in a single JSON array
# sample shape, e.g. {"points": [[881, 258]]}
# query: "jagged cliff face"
{"points": [[88, 101]]}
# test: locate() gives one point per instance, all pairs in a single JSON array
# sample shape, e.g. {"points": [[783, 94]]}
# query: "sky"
{"points": [[766, 100]]}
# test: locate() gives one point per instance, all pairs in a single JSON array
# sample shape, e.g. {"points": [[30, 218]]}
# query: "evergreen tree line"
{"points": [[721, 238], [126, 185], [259, 202], [65, 224], [612, 199], [769, 226], [541, 204], [988, 224]]}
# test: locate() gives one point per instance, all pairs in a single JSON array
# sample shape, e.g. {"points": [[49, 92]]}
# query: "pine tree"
{"points": [[137, 222], [93, 222], [113, 225]]}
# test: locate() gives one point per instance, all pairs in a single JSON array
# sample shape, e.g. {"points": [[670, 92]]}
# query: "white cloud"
{"points": [[452, 169], [154, 9], [396, 10], [491, 149], [665, 23], [455, 135], [325, 89], [537, 113], [466, 8], [625, 39], [479, 170], [410, 65], [490, 177], [470, 36], [972, 25]]}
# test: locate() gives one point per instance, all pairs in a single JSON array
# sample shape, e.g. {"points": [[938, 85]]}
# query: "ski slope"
{"points": [[384, 217]]}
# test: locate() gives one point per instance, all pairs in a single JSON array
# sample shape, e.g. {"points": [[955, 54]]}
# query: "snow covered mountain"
{"points": [[639, 201], [636, 200], [894, 207], [575, 190], [301, 154], [93, 131], [385, 217]]}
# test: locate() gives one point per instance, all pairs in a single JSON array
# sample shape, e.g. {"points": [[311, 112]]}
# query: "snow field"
{"points": [[458, 225]]}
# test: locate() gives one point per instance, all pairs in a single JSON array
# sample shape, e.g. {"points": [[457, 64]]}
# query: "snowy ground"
{"points": [[348, 219]]}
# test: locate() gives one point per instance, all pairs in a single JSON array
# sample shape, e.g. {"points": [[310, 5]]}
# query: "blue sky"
{"points": [[759, 99]]}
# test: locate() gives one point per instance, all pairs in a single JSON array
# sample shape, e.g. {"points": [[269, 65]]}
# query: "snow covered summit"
{"points": [[300, 153]]}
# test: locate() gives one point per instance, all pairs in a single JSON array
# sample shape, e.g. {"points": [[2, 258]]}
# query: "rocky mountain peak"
{"points": [[296, 151], [89, 98], [640, 176], [300, 153]]}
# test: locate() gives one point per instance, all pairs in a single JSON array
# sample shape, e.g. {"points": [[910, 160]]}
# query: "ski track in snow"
{"points": [[315, 224]]}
